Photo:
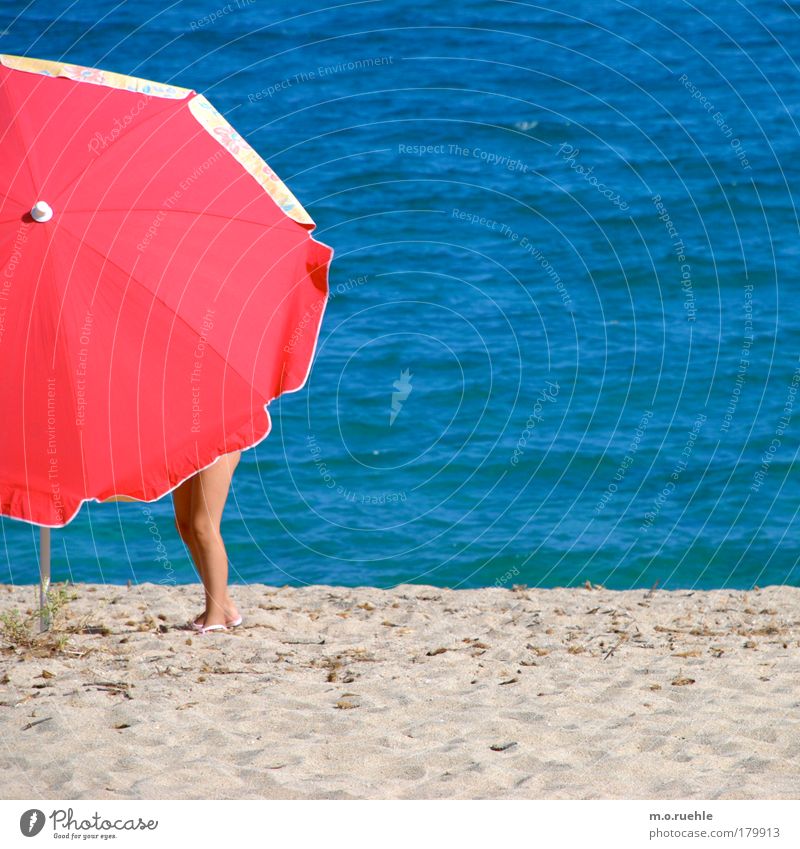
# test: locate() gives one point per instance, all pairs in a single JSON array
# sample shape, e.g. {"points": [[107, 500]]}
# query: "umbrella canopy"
{"points": [[159, 286]]}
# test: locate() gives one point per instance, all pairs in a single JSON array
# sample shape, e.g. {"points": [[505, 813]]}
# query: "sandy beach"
{"points": [[414, 692]]}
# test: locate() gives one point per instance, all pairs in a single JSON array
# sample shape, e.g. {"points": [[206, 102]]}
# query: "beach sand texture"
{"points": [[413, 692]]}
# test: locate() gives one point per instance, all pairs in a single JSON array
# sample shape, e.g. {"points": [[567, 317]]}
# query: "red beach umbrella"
{"points": [[159, 286]]}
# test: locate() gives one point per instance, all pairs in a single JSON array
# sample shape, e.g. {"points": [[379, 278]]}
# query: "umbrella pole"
{"points": [[44, 577]]}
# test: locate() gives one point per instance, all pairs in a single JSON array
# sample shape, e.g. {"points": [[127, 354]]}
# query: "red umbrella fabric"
{"points": [[159, 286]]}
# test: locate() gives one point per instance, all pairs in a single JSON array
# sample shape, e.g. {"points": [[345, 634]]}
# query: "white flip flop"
{"points": [[234, 624], [206, 628]]}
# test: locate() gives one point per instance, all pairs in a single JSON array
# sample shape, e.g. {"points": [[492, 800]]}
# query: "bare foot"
{"points": [[231, 615]]}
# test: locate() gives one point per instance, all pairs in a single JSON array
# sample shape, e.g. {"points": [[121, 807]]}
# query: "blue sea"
{"points": [[563, 339]]}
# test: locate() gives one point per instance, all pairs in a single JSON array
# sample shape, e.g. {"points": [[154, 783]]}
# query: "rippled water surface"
{"points": [[562, 343]]}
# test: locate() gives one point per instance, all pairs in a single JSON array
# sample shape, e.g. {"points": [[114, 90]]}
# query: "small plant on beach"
{"points": [[58, 597], [16, 630], [21, 631]]}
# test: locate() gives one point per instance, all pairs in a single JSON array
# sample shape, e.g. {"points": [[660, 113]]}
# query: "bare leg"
{"points": [[182, 500], [209, 494]]}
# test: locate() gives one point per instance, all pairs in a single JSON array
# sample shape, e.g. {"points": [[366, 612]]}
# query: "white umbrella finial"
{"points": [[41, 211]]}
